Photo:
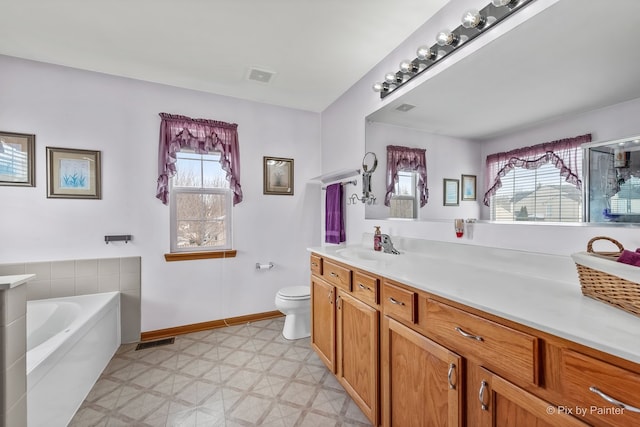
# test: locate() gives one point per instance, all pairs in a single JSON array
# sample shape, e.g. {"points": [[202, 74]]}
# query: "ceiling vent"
{"points": [[405, 107], [260, 75]]}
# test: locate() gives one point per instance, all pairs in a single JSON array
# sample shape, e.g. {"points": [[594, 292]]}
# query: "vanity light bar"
{"points": [[474, 23]]}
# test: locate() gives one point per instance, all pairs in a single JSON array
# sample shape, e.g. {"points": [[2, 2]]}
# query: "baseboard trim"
{"points": [[204, 326]]}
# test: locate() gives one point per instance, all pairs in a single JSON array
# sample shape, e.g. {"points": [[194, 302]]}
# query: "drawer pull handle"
{"points": [[314, 264], [613, 401], [332, 274], [481, 395], [361, 286], [468, 335], [395, 301], [450, 374], [331, 296]]}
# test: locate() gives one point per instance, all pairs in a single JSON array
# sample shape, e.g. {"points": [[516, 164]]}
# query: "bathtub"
{"points": [[69, 343]]}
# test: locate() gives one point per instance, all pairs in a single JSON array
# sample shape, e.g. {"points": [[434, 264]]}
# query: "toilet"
{"points": [[295, 303]]}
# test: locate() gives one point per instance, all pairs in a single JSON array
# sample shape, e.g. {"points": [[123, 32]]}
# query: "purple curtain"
{"points": [[334, 221], [202, 136], [406, 159], [562, 153]]}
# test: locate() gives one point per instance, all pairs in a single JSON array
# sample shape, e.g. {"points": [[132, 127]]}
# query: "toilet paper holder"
{"points": [[268, 266]]}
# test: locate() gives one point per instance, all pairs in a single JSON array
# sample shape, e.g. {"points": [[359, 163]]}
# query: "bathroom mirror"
{"points": [[554, 65], [369, 165], [612, 181]]}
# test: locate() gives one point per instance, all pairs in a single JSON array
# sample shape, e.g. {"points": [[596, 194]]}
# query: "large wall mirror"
{"points": [[569, 59]]}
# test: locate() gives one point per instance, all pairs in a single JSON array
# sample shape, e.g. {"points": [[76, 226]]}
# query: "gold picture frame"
{"points": [[73, 174], [451, 191], [469, 187], [17, 159], [278, 176]]}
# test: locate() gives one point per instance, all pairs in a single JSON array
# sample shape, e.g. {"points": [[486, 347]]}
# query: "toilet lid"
{"points": [[295, 292]]}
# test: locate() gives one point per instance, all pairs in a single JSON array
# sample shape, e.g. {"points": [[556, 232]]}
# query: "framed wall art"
{"points": [[278, 176], [451, 190], [468, 187], [73, 174], [17, 159]]}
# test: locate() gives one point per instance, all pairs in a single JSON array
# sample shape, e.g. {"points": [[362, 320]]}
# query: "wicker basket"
{"points": [[606, 287]]}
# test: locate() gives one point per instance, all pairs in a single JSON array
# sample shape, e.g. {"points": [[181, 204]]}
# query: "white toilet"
{"points": [[295, 303]]}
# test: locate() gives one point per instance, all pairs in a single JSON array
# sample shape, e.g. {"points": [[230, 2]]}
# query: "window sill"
{"points": [[189, 256]]}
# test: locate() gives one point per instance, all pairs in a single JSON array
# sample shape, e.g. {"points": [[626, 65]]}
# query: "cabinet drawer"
{"points": [[337, 275], [365, 288], [399, 303], [588, 382], [316, 265], [510, 353]]}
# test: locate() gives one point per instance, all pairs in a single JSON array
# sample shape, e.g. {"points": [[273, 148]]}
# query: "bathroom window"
{"points": [[536, 195], [201, 204], [404, 199]]}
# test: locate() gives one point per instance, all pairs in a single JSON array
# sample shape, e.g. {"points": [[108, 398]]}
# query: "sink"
{"points": [[366, 255]]}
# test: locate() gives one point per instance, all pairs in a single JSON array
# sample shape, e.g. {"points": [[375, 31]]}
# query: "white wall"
{"points": [[343, 145], [78, 109]]}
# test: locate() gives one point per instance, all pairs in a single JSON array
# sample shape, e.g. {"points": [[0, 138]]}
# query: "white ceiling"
{"points": [[576, 56], [317, 49]]}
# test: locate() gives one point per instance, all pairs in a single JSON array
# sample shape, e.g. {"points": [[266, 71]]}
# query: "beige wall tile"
{"points": [[11, 269], [42, 270], [86, 267], [63, 287], [16, 382], [17, 414], [130, 316], [16, 300], [108, 266], [109, 283], [86, 285], [15, 340], [130, 265], [38, 289], [63, 269]]}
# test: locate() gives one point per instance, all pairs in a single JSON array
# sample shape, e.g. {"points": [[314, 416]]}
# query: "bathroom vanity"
{"points": [[450, 334]]}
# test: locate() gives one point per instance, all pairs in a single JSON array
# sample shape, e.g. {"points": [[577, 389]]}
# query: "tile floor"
{"points": [[246, 375]]}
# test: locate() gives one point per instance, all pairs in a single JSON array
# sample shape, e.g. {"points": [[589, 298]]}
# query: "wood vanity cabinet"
{"points": [[345, 328], [409, 358]]}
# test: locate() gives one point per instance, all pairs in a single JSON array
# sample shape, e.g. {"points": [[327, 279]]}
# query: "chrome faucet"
{"points": [[387, 245]]}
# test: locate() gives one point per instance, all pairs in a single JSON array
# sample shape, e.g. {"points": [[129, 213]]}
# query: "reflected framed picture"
{"points": [[17, 159], [278, 176], [73, 174], [451, 191], [468, 187]]}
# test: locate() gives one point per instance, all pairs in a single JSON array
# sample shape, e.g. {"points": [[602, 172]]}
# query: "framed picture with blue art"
{"points": [[468, 187], [17, 159], [73, 174]]}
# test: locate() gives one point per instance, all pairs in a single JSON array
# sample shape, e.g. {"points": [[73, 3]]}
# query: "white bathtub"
{"points": [[69, 343]]}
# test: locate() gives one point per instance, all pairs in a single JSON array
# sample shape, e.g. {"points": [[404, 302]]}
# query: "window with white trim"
{"points": [[540, 194], [404, 200], [201, 204]]}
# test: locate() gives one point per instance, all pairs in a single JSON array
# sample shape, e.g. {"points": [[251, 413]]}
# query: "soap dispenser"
{"points": [[377, 238]]}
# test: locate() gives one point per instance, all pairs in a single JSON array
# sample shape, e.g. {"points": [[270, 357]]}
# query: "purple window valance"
{"points": [[563, 153], [406, 159], [202, 136]]}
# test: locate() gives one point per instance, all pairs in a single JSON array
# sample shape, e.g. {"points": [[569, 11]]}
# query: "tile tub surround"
{"points": [[13, 345], [88, 276], [241, 375], [541, 291]]}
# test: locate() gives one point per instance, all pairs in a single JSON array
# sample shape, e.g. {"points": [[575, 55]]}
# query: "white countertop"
{"points": [[537, 290], [8, 282]]}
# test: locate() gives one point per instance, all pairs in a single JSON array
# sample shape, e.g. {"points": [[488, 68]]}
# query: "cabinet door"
{"points": [[493, 401], [358, 326], [421, 380], [323, 327]]}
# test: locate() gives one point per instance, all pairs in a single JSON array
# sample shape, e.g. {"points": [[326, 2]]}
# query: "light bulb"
{"points": [[390, 78], [425, 52], [407, 66], [473, 19], [447, 38], [500, 3], [377, 87]]}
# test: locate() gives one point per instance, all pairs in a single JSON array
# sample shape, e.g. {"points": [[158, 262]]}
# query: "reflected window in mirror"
{"points": [[536, 195], [404, 203], [537, 183]]}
